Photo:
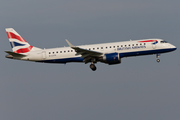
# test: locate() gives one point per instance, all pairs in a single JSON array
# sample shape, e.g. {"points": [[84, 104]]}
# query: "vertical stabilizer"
{"points": [[18, 44]]}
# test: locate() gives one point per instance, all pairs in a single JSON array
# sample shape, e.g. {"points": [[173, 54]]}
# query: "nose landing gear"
{"points": [[158, 60], [157, 56]]}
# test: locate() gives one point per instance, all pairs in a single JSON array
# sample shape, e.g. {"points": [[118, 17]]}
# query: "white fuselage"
{"points": [[125, 49]]}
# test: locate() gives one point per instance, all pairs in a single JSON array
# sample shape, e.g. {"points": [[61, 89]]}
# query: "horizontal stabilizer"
{"points": [[15, 54]]}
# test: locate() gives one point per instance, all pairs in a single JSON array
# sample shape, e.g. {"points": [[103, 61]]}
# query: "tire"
{"points": [[158, 60], [93, 67]]}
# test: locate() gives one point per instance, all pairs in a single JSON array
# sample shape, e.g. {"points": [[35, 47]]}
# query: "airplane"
{"points": [[108, 53]]}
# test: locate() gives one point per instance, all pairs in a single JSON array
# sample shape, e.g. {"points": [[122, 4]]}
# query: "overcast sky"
{"points": [[137, 89]]}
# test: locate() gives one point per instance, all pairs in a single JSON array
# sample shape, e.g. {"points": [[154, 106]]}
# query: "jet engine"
{"points": [[112, 58]]}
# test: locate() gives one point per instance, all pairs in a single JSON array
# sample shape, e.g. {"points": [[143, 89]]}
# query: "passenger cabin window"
{"points": [[60, 51], [101, 47], [49, 52]]}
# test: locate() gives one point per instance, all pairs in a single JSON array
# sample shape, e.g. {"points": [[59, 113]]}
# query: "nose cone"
{"points": [[173, 47]]}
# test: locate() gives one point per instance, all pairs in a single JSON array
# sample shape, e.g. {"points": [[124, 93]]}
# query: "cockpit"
{"points": [[164, 42]]}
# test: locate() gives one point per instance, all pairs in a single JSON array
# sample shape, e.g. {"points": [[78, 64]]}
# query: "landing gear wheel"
{"points": [[158, 60], [93, 67], [157, 56]]}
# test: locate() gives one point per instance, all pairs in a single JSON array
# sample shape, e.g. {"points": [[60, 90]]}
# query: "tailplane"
{"points": [[18, 44]]}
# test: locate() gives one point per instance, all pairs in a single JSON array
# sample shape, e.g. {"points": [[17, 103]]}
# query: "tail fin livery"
{"points": [[18, 44]]}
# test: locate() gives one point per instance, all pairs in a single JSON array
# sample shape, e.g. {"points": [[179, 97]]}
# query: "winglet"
{"points": [[70, 44]]}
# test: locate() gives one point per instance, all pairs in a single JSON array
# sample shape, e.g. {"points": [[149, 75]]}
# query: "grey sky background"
{"points": [[137, 89]]}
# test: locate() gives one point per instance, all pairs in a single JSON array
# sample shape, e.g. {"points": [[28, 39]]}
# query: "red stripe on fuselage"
{"points": [[13, 36], [24, 50], [148, 41]]}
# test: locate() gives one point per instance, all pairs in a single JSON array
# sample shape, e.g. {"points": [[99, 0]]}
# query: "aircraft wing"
{"points": [[84, 52]]}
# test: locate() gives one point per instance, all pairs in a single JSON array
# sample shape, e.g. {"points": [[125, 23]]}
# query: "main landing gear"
{"points": [[157, 56], [92, 66]]}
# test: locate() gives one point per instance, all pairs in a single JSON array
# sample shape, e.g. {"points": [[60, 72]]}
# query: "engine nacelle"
{"points": [[112, 58]]}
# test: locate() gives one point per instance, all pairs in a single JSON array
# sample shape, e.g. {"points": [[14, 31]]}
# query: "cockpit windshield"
{"points": [[164, 42]]}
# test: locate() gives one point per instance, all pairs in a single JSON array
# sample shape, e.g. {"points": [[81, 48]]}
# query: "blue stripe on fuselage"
{"points": [[149, 52], [63, 60], [127, 54]]}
